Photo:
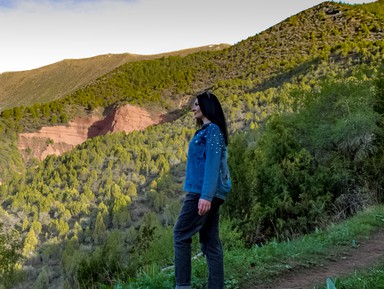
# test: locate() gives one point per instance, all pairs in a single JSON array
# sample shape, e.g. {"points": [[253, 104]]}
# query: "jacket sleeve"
{"points": [[214, 146]]}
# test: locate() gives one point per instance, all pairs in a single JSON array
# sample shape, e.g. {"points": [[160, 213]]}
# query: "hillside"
{"points": [[60, 139], [301, 100], [57, 80], [293, 51]]}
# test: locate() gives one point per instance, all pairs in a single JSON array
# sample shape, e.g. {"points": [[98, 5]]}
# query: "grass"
{"points": [[371, 278], [261, 264]]}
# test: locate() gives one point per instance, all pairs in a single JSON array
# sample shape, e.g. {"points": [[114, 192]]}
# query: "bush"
{"points": [[307, 167]]}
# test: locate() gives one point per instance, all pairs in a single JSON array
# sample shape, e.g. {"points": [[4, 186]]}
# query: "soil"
{"points": [[366, 253]]}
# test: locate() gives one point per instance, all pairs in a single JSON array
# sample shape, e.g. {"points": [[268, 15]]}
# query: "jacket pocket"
{"points": [[198, 150]]}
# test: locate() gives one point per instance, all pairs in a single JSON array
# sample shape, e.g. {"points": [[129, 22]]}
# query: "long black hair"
{"points": [[211, 108]]}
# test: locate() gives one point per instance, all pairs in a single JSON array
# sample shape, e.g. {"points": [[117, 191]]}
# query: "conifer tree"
{"points": [[36, 226], [103, 209], [99, 233], [10, 245], [116, 191], [121, 215], [132, 191], [25, 224], [77, 230], [30, 242], [42, 281]]}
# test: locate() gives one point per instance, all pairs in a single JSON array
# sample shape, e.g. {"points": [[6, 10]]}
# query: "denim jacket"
{"points": [[207, 170]]}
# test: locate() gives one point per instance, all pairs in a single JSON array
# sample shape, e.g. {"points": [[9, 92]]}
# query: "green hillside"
{"points": [[56, 80], [304, 101]]}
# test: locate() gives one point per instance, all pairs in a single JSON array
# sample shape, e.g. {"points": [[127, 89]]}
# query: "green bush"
{"points": [[307, 167]]}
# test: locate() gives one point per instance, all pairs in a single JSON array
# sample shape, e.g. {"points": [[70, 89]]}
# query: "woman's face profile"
{"points": [[196, 110]]}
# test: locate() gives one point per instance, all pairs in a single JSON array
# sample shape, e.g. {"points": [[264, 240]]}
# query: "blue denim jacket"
{"points": [[207, 168]]}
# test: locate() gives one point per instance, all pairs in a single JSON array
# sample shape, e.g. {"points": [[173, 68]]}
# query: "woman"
{"points": [[207, 182]]}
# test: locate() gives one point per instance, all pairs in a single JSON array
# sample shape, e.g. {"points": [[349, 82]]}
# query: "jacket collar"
{"points": [[205, 125]]}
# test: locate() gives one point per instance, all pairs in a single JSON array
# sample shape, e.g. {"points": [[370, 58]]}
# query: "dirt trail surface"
{"points": [[366, 253]]}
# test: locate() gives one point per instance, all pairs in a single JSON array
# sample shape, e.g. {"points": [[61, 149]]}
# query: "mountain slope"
{"points": [[112, 194], [300, 43], [54, 81], [326, 39]]}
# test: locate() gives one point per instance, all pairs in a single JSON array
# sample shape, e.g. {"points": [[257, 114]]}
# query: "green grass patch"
{"points": [[245, 268], [371, 278]]}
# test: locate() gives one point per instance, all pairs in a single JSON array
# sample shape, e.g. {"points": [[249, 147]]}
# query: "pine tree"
{"points": [[25, 224], [30, 243], [132, 191], [10, 245], [42, 281], [99, 233], [36, 227]]}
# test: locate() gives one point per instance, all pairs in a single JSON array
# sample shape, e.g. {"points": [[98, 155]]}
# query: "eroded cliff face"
{"points": [[59, 139]]}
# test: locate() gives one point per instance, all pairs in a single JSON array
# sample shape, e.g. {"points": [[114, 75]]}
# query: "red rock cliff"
{"points": [[59, 139]]}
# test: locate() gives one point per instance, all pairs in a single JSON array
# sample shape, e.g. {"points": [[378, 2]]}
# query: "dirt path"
{"points": [[366, 253]]}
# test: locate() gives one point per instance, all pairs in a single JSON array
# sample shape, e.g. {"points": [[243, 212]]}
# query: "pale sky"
{"points": [[35, 33]]}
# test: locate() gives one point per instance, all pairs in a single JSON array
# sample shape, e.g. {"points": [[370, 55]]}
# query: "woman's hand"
{"points": [[204, 207]]}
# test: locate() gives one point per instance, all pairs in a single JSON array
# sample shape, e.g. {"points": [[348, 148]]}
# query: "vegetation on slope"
{"points": [[105, 210], [327, 39], [54, 81], [90, 207], [262, 265]]}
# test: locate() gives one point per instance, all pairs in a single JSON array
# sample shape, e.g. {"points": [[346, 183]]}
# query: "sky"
{"points": [[35, 33]]}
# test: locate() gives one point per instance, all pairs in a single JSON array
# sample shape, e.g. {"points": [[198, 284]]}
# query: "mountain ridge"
{"points": [[53, 81]]}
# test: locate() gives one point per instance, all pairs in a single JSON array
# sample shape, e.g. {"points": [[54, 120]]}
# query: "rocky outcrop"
{"points": [[59, 139]]}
